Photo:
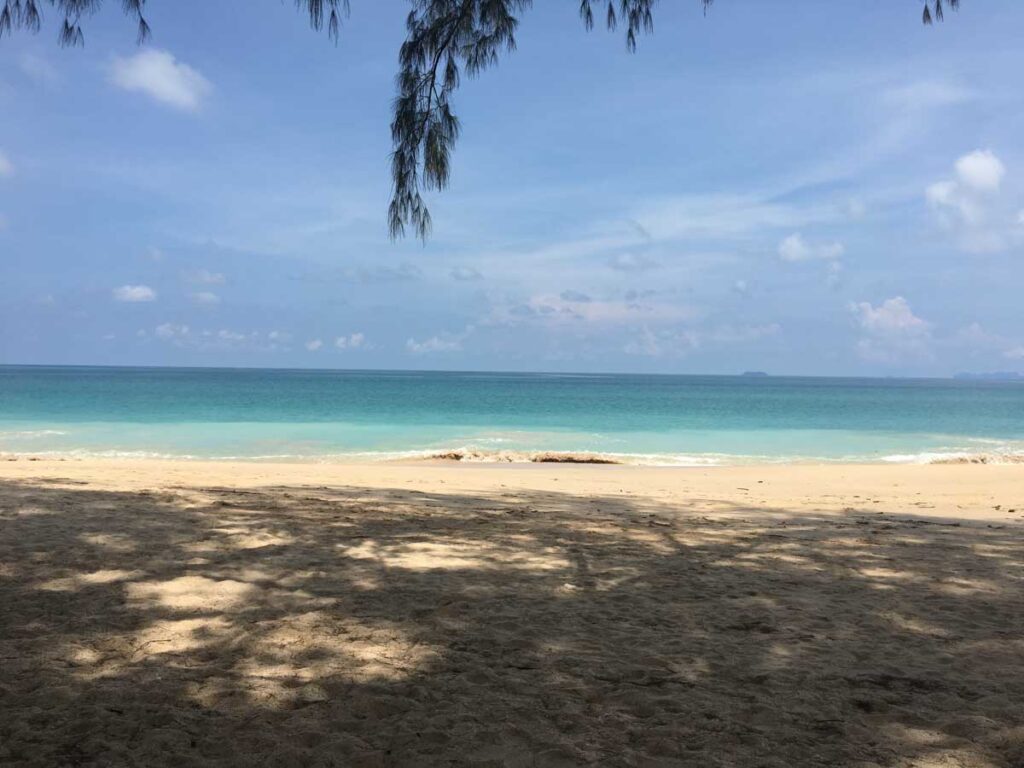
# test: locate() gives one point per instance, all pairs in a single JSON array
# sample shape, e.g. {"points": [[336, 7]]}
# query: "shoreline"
{"points": [[479, 457]]}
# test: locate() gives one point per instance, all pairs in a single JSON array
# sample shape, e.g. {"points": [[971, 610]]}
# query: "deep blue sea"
{"points": [[302, 415]]}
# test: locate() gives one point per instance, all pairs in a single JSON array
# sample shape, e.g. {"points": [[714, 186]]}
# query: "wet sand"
{"points": [[188, 613]]}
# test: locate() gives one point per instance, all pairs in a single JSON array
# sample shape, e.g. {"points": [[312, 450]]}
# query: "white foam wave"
{"points": [[475, 454], [956, 457]]}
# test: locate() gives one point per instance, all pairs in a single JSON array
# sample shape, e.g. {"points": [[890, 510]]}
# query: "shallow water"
{"points": [[365, 415]]}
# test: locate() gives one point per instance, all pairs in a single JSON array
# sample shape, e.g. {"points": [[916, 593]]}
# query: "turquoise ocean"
{"points": [[307, 415]]}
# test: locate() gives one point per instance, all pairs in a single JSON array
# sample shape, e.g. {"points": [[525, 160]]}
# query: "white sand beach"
{"points": [[177, 613]]}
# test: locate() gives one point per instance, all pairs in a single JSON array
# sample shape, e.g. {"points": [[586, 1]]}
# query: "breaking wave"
{"points": [[956, 458]]}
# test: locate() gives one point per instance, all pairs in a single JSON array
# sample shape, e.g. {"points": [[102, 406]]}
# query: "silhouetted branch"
{"points": [[444, 36]]}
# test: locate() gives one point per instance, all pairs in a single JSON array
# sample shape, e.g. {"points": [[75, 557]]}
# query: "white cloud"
{"points": [[134, 293], [631, 262], [980, 170], [445, 342], [38, 69], [170, 331], [433, 344], [231, 337], [206, 339], [159, 75], [6, 166], [891, 316], [352, 341], [314, 344], [976, 340], [569, 308], [465, 274], [927, 94], [676, 342], [969, 205], [721, 216], [891, 331], [662, 343], [206, 298], [205, 277], [795, 248], [856, 208], [941, 193], [975, 335]]}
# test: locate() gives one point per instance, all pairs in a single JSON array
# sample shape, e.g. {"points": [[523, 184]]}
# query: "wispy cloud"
{"points": [[678, 342], [719, 215], [205, 298], [433, 344], [6, 166], [204, 277], [922, 95], [796, 248], [352, 341], [133, 294], [171, 332], [631, 262], [38, 69], [978, 341], [568, 308], [224, 338], [444, 342], [159, 75], [231, 337], [575, 297], [465, 273]]}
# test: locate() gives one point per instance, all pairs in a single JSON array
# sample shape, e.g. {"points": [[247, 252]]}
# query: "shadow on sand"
{"points": [[341, 626]]}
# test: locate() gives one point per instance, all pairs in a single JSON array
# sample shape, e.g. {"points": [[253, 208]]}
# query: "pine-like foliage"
{"points": [[933, 9], [445, 38]]}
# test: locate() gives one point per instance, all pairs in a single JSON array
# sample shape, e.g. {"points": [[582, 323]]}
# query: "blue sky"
{"points": [[774, 186]]}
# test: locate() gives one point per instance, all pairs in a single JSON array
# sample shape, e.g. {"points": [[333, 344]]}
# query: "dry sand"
{"points": [[157, 613]]}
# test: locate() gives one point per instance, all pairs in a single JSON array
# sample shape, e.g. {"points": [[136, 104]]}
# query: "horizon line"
{"points": [[752, 374]]}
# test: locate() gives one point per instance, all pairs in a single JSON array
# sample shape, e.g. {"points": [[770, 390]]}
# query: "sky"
{"points": [[783, 187]]}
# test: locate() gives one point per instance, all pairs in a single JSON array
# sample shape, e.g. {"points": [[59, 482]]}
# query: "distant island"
{"points": [[754, 373], [993, 376]]}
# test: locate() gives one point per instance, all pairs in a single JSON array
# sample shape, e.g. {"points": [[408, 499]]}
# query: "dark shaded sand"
{"points": [[184, 615]]}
